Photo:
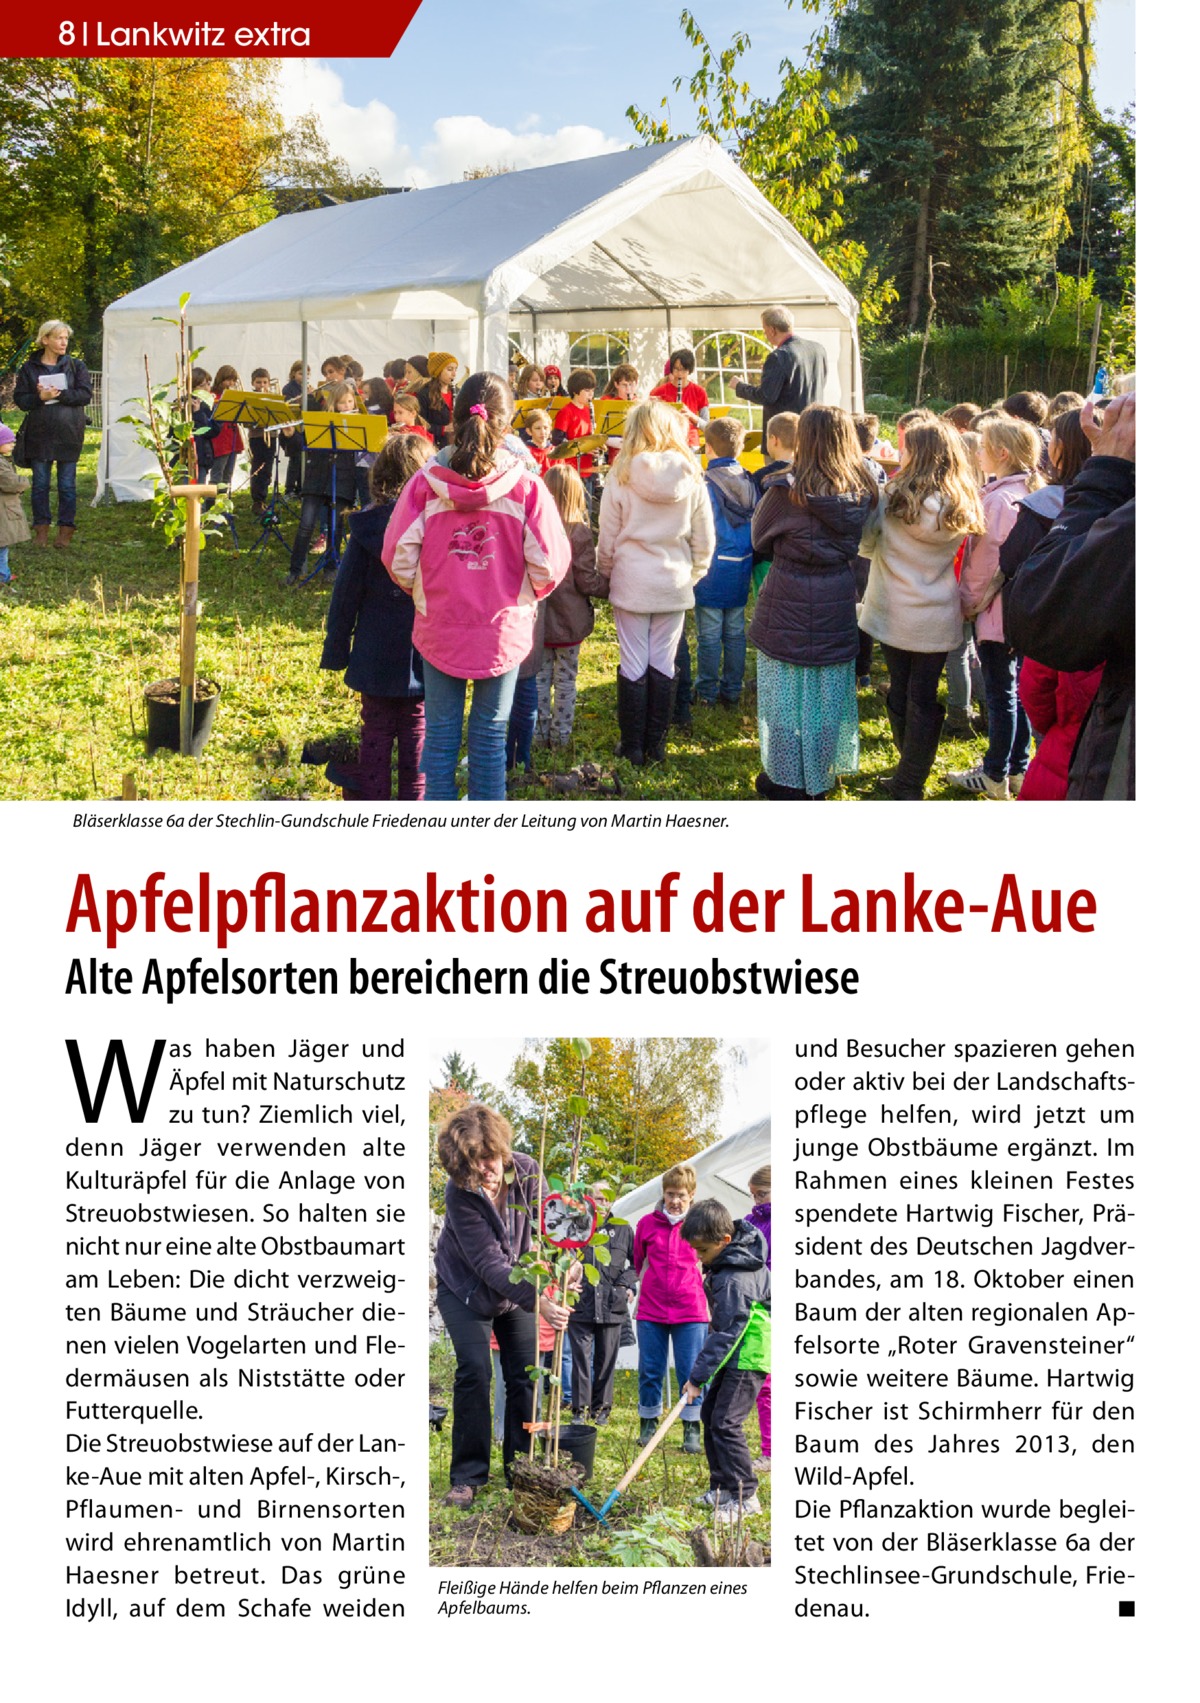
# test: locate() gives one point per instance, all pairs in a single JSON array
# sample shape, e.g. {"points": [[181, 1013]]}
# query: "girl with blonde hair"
{"points": [[805, 626], [656, 540], [911, 604], [1010, 452]]}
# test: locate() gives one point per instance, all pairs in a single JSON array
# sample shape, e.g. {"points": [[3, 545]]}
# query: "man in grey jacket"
{"points": [[793, 374]]}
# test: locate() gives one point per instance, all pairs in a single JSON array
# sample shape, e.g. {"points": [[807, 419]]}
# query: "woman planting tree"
{"points": [[491, 1205]]}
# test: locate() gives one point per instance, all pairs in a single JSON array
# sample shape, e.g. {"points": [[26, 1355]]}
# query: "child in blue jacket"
{"points": [[721, 594]]}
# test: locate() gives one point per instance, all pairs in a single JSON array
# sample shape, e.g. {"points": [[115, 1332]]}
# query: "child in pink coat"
{"points": [[672, 1311], [1010, 453], [476, 540]]}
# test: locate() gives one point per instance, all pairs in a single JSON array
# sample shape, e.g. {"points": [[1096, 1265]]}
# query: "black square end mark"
{"points": [[1125, 1610]]}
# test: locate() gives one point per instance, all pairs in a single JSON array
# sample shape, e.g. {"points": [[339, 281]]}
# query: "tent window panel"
{"points": [[727, 358], [601, 351]]}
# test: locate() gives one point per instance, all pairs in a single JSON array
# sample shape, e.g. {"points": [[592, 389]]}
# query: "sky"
{"points": [[475, 83], [747, 1083]]}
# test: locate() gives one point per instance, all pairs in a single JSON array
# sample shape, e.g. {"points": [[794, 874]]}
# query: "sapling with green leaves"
{"points": [[567, 1227]]}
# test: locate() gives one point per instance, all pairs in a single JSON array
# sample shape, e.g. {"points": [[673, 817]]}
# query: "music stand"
{"points": [[611, 412], [334, 432], [268, 413]]}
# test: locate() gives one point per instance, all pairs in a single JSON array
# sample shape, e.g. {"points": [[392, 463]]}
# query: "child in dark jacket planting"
{"points": [[368, 632], [721, 595], [736, 1355], [595, 1327]]}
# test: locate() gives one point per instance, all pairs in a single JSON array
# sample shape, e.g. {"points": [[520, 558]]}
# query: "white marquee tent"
{"points": [[723, 1173], [654, 242]]}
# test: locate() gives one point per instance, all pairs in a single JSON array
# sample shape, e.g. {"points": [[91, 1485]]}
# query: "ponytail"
{"points": [[482, 411]]}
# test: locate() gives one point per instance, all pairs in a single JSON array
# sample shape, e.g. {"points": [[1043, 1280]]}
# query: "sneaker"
{"points": [[863, 682], [706, 1499], [976, 780], [459, 1496], [960, 724], [1014, 784], [601, 1416], [730, 1509], [763, 1463]]}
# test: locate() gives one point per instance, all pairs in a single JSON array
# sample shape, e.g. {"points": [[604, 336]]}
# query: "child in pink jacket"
{"points": [[476, 540], [672, 1311], [1010, 453]]}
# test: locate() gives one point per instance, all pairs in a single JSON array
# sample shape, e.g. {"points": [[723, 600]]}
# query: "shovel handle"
{"points": [[657, 1438]]}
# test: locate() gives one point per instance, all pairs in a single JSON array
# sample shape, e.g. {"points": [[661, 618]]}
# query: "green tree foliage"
{"points": [[1100, 221], [651, 1102], [113, 171], [787, 142], [965, 117]]}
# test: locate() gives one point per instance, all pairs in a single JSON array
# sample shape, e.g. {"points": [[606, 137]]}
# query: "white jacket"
{"points": [[912, 597], [657, 535]]}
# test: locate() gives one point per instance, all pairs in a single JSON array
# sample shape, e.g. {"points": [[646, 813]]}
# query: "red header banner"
{"points": [[153, 29]]}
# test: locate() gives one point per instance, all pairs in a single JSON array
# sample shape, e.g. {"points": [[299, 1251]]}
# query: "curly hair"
{"points": [[469, 1136]]}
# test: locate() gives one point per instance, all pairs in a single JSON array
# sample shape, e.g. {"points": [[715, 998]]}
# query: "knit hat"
{"points": [[439, 360], [556, 371], [7, 435]]}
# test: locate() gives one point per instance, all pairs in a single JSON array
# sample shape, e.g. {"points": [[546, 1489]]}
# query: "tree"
{"points": [[964, 115], [785, 141], [1100, 223], [652, 1102], [113, 171]]}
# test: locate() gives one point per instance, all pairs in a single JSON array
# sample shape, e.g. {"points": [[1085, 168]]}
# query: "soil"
{"points": [[167, 691]]}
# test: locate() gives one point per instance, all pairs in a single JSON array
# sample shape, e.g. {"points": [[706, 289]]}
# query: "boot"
{"points": [[916, 759], [646, 1430], [41, 535], [896, 713], [632, 696], [765, 787], [691, 1437], [959, 724], [681, 715], [658, 714], [65, 534]]}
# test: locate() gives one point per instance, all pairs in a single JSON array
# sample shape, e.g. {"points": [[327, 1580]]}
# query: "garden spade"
{"points": [[600, 1512]]}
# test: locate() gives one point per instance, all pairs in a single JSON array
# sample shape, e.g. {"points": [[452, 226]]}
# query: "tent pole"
{"points": [[303, 388]]}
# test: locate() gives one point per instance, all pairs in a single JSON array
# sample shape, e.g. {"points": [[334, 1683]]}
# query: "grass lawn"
{"points": [[85, 630], [650, 1521]]}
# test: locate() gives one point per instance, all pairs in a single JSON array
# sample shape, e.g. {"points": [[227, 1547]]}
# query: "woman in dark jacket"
{"points": [[368, 632], [595, 1327], [54, 390], [805, 627], [491, 1201]]}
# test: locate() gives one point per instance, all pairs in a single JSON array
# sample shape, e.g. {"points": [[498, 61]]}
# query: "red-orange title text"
{"points": [[273, 906]]}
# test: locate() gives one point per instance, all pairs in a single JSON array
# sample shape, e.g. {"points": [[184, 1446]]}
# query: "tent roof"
{"points": [[666, 226], [722, 1172]]}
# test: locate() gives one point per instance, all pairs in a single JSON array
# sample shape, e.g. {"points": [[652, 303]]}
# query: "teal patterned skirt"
{"points": [[807, 723]]}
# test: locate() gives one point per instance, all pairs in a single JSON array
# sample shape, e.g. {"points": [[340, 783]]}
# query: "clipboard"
{"points": [[345, 431]]}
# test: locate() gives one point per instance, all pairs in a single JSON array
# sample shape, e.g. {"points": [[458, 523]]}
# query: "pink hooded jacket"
{"points": [[982, 560], [671, 1290], [476, 555]]}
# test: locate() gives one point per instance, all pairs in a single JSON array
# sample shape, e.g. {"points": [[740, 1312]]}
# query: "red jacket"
{"points": [[1057, 705], [226, 438], [694, 397], [576, 422], [540, 455]]}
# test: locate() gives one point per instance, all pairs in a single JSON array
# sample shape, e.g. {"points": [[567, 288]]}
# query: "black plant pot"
{"points": [[162, 714], [579, 1442]]}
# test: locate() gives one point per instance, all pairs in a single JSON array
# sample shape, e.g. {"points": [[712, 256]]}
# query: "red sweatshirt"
{"points": [[576, 422], [694, 397]]}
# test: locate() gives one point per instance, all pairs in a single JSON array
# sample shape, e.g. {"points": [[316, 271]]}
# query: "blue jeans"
{"points": [[1008, 725], [654, 1341], [720, 630], [445, 701], [5, 572], [40, 494], [518, 746]]}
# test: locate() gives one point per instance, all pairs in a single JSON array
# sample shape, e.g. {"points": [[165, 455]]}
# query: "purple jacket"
{"points": [[672, 1279], [479, 1246], [760, 1217]]}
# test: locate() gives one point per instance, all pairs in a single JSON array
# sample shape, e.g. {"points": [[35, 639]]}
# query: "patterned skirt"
{"points": [[807, 723]]}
